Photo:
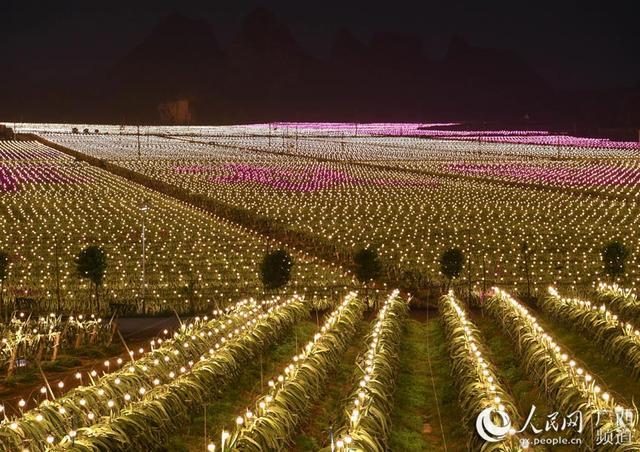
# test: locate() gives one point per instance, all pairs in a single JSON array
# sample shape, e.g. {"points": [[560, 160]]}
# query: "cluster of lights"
{"points": [[611, 331], [382, 349], [262, 410], [228, 352], [306, 179], [519, 319], [109, 393], [435, 130], [334, 198], [617, 290], [24, 151], [397, 150], [412, 222], [623, 300], [601, 312], [474, 370], [416, 132], [610, 178]]}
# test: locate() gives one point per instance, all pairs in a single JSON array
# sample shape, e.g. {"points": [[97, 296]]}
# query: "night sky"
{"points": [[571, 44]]}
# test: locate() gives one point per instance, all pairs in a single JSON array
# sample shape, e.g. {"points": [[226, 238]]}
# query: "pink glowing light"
{"points": [[13, 177], [305, 179], [434, 130]]}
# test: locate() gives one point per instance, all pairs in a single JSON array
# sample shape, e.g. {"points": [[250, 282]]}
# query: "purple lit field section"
{"points": [[349, 203], [289, 163], [307, 179], [619, 177], [20, 176], [411, 151], [553, 140], [438, 130], [25, 165], [351, 131], [264, 178], [61, 204]]}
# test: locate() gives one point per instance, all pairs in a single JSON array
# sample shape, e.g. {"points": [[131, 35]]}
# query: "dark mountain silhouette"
{"points": [[394, 47], [268, 72], [346, 48], [176, 47], [476, 78], [345, 81], [263, 36], [265, 75], [179, 60]]}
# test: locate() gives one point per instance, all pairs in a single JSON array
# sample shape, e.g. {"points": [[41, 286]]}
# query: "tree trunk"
{"points": [[11, 370], [79, 339], [528, 277], [41, 343], [97, 297], [113, 332], [56, 346], [90, 297]]}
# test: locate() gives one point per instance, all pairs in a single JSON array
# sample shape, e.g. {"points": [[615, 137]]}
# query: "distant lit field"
{"points": [[413, 197]]}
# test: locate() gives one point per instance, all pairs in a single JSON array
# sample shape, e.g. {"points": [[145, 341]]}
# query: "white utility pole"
{"points": [[144, 208]]}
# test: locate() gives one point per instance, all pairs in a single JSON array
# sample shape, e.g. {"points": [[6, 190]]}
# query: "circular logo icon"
{"points": [[488, 430]]}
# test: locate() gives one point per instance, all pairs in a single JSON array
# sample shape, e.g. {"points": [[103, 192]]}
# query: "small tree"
{"points": [[4, 272], [275, 269], [614, 257], [91, 264], [451, 263], [367, 267]]}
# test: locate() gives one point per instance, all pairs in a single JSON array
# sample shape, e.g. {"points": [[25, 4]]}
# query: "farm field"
{"points": [[534, 336], [53, 206], [567, 212]]}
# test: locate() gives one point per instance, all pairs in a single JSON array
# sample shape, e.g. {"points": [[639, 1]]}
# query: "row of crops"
{"points": [[427, 136], [589, 410], [144, 401], [53, 207], [181, 369]]}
